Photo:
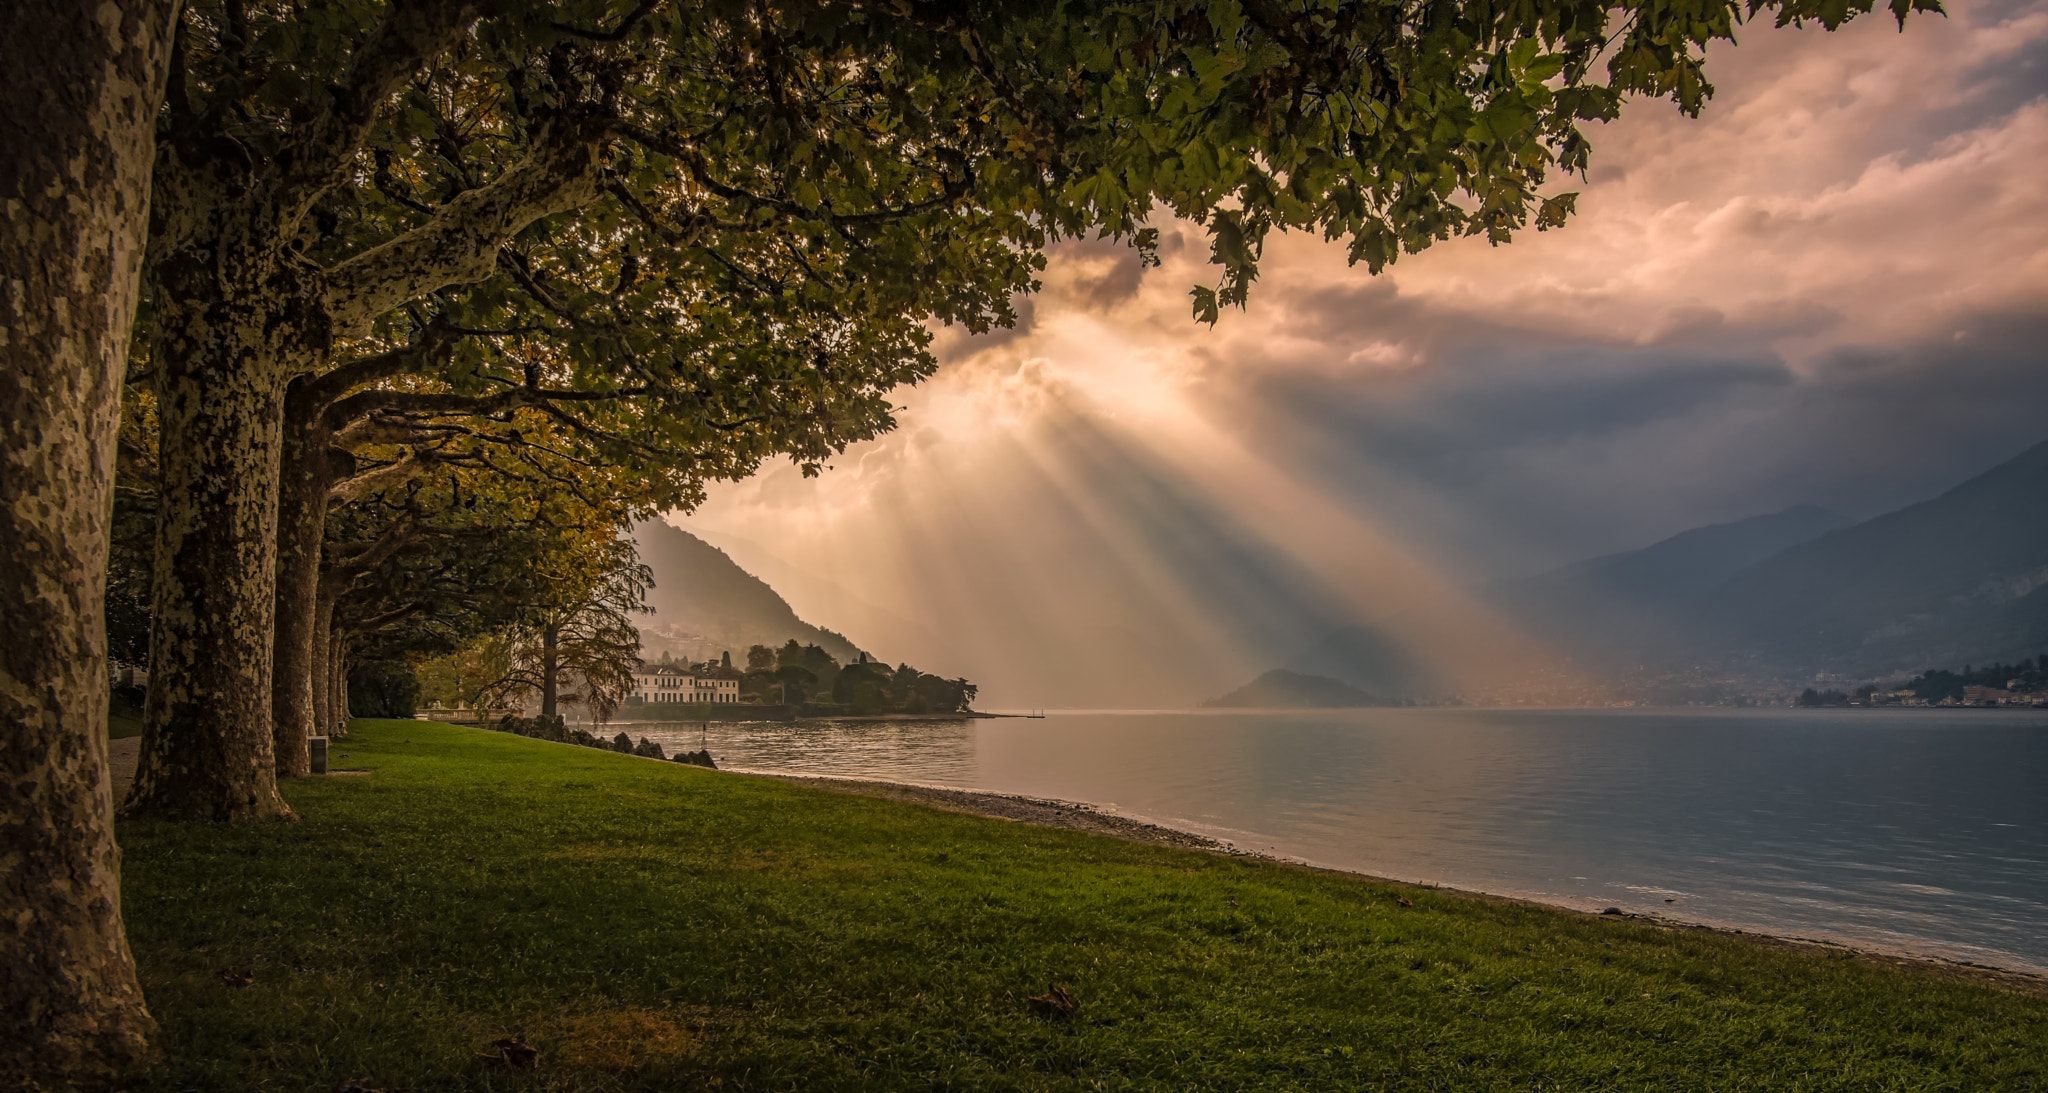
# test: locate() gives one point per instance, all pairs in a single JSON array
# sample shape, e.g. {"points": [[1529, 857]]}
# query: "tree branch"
{"points": [[320, 154], [331, 386], [437, 404], [700, 172], [382, 478], [624, 28], [460, 244]]}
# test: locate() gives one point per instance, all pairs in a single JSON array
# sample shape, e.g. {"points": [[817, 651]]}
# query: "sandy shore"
{"points": [[1081, 817]]}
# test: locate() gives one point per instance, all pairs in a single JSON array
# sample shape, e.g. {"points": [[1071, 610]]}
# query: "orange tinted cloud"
{"points": [[1831, 288]]}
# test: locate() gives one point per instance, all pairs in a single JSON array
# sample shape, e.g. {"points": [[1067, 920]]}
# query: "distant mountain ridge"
{"points": [[705, 604], [1281, 688], [1620, 609], [1960, 578]]}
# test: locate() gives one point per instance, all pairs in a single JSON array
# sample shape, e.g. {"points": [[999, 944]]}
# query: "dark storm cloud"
{"points": [[1554, 447]]}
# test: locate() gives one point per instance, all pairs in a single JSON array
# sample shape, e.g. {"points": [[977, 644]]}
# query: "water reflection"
{"points": [[1918, 830]]}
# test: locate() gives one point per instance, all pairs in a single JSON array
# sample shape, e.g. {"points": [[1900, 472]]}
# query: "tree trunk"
{"points": [[550, 668], [79, 102], [207, 747], [307, 472], [322, 668], [235, 320], [342, 716]]}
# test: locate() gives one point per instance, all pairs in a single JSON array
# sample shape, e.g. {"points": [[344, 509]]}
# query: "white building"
{"points": [[669, 683]]}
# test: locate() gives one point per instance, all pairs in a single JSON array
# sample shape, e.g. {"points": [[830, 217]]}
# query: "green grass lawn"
{"points": [[655, 926]]}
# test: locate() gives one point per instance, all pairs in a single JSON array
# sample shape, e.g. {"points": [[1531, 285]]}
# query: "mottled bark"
{"points": [[333, 675], [230, 333], [78, 101], [239, 313], [341, 664], [308, 469], [235, 321]]}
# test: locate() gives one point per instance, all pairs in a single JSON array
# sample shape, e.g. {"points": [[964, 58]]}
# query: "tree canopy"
{"points": [[692, 235]]}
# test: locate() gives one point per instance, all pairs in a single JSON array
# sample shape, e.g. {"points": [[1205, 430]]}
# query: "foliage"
{"points": [[628, 250], [1937, 684], [870, 688], [1811, 697], [809, 675], [383, 688], [571, 627], [462, 677], [693, 235], [714, 931]]}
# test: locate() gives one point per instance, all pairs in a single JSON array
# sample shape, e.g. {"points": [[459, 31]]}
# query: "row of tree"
{"points": [[416, 299], [1937, 684]]}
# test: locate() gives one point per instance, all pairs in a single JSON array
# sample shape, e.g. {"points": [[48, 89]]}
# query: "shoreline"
{"points": [[1077, 816], [1089, 819]]}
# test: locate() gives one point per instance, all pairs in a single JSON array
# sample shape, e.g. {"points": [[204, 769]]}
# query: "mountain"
{"points": [[1644, 604], [705, 604], [1957, 579], [1282, 688], [1370, 657], [1674, 571]]}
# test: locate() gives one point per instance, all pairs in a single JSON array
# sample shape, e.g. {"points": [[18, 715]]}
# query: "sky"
{"points": [[1831, 288]]}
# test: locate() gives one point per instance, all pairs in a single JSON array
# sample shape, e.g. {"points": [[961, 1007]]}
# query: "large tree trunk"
{"points": [[307, 472], [550, 668], [78, 104], [207, 748], [235, 320]]}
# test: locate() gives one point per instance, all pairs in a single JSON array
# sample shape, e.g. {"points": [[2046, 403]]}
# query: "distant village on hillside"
{"points": [[2022, 684]]}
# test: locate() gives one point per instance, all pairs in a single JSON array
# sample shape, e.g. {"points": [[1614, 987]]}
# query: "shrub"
{"points": [[383, 688]]}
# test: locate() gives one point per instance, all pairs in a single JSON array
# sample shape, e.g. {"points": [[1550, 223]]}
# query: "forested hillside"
{"points": [[705, 604]]}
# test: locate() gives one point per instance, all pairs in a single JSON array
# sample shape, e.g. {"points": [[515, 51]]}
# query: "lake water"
{"points": [[1922, 831]]}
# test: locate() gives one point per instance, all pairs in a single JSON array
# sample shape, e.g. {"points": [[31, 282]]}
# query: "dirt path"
{"points": [[121, 756]]}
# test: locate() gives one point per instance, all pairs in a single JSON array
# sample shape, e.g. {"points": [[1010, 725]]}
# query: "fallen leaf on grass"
{"points": [[512, 1053], [1055, 1002], [1403, 901], [357, 1085], [236, 979]]}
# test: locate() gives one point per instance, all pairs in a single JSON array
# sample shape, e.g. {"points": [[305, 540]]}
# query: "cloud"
{"points": [[1833, 287]]}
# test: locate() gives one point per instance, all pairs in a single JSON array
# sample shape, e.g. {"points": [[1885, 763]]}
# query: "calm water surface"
{"points": [[1916, 830]]}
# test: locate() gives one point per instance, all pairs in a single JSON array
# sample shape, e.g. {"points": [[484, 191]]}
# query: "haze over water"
{"points": [[1919, 831]]}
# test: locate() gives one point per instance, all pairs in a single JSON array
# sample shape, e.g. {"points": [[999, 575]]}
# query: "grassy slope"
{"points": [[652, 926]]}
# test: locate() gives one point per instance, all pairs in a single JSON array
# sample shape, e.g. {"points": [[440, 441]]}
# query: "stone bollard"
{"points": [[316, 747]]}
